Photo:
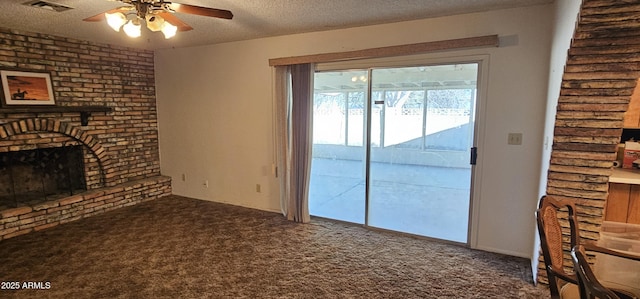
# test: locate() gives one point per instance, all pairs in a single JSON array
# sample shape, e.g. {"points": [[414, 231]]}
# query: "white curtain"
{"points": [[293, 114]]}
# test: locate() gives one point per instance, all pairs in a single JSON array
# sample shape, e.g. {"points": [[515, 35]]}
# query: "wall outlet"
{"points": [[184, 177], [205, 184], [258, 188], [514, 139]]}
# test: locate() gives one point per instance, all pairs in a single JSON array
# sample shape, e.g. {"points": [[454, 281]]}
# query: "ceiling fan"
{"points": [[157, 14]]}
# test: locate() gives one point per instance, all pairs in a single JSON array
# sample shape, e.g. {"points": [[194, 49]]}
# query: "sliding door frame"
{"points": [[367, 146], [482, 60]]}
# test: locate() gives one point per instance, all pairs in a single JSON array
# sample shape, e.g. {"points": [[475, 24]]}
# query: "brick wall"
{"points": [[600, 75], [121, 146], [23, 220]]}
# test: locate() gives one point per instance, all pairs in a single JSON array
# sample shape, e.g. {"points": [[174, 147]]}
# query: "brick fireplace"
{"points": [[33, 176], [105, 112]]}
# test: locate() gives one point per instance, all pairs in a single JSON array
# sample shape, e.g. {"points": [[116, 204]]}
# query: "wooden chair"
{"points": [[563, 284], [560, 281], [588, 284]]}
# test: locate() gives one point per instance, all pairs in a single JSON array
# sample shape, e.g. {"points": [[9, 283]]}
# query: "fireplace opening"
{"points": [[29, 177]]}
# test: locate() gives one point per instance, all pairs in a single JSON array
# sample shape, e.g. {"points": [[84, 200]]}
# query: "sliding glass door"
{"points": [[392, 145], [337, 188], [421, 133]]}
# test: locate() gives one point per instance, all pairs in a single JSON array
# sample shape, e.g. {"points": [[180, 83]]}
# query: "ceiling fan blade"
{"points": [[101, 17], [169, 17], [202, 11]]}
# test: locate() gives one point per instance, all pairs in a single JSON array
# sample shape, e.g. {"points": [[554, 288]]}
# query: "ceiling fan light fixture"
{"points": [[153, 12], [115, 20], [169, 30], [132, 29], [155, 22]]}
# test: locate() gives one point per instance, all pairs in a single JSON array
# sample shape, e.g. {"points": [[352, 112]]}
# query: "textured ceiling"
{"points": [[252, 18]]}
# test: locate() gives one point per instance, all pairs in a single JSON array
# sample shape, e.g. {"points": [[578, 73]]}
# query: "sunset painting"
{"points": [[26, 88]]}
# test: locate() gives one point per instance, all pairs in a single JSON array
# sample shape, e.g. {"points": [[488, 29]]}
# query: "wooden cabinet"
{"points": [[623, 203], [632, 116]]}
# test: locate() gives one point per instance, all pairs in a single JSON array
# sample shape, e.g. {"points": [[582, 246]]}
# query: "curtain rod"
{"points": [[409, 49]]}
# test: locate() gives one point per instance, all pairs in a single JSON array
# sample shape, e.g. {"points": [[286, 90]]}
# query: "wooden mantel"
{"points": [[85, 111]]}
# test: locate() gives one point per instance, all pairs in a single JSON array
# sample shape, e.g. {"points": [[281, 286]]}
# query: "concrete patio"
{"points": [[422, 200]]}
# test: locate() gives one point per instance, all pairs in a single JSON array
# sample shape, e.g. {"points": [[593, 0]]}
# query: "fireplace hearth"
{"points": [[29, 177]]}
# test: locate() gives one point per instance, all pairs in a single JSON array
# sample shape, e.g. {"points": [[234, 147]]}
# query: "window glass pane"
{"points": [[377, 118], [448, 110], [356, 119], [329, 121], [337, 169], [403, 119]]}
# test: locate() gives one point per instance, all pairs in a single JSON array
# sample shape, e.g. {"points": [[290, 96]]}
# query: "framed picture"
{"points": [[26, 88]]}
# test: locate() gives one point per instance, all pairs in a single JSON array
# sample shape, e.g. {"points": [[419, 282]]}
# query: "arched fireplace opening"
{"points": [[44, 160], [29, 177]]}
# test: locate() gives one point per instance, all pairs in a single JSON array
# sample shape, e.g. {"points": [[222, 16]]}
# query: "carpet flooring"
{"points": [[177, 247]]}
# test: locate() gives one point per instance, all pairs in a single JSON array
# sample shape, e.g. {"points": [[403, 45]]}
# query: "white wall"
{"points": [[565, 18], [215, 120]]}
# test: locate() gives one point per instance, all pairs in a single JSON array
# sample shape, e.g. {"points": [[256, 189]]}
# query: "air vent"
{"points": [[47, 5]]}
